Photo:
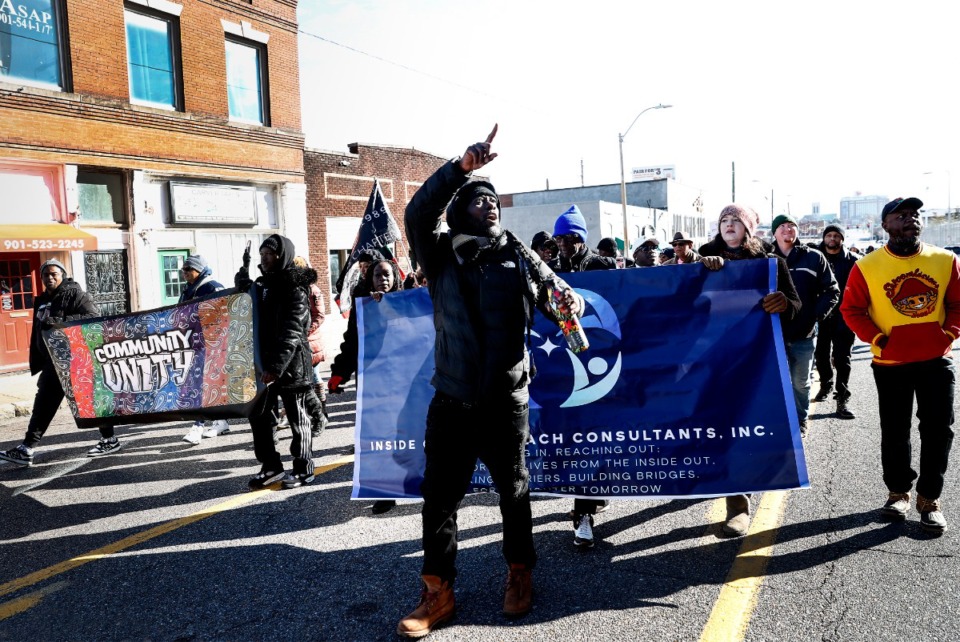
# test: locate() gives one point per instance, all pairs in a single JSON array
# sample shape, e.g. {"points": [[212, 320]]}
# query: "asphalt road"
{"points": [[161, 542]]}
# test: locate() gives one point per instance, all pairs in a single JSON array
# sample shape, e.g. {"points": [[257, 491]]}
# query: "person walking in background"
{"points": [[904, 300], [570, 230], [380, 277], [200, 282], [282, 297], [834, 338], [736, 241], [647, 253], [570, 233], [546, 248], [819, 294], [62, 300], [317, 397], [608, 247]]}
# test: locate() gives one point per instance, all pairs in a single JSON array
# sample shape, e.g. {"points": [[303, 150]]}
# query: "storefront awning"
{"points": [[46, 237]]}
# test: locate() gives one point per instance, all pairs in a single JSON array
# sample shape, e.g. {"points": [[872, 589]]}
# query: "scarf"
{"points": [[468, 249]]}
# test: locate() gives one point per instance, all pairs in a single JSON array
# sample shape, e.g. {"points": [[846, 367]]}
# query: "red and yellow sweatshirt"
{"points": [[914, 301]]}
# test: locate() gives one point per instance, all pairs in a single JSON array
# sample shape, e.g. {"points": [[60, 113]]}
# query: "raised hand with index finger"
{"points": [[478, 154]]}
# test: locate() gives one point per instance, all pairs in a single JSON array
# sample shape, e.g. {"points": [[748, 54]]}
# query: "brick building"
{"points": [[338, 186], [133, 133]]}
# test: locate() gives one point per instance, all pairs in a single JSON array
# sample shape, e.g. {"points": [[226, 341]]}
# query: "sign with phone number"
{"points": [[45, 244]]}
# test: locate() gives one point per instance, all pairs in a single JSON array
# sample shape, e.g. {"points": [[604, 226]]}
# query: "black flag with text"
{"points": [[377, 230]]}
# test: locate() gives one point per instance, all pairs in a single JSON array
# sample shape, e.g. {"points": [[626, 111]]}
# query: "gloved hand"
{"points": [[333, 384], [242, 280], [51, 322]]}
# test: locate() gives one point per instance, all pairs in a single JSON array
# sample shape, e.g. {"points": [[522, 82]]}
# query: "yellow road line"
{"points": [[139, 538], [28, 601], [738, 597]]}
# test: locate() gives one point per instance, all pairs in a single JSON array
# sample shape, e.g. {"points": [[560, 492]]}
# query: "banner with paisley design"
{"points": [[194, 360], [684, 391]]}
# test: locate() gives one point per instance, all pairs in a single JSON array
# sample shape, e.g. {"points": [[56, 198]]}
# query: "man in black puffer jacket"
{"points": [[62, 300], [484, 284], [834, 338], [282, 297]]}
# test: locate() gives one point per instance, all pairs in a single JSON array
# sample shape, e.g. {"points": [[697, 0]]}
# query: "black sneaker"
{"points": [[803, 429], [931, 517], [264, 478], [19, 455], [897, 506], [382, 506], [296, 480], [104, 447], [824, 392]]}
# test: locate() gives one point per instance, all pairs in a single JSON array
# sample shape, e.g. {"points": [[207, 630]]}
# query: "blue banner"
{"points": [[684, 392]]}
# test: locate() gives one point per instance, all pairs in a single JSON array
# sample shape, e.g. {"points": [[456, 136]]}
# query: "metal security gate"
{"points": [[107, 281]]}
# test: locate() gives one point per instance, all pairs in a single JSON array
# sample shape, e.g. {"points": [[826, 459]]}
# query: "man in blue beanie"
{"points": [[570, 232]]}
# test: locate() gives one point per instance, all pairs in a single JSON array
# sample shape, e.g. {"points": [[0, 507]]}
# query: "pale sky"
{"points": [[815, 100]]}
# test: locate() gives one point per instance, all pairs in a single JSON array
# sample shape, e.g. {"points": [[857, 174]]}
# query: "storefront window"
{"points": [[30, 42], [152, 59], [29, 195]]}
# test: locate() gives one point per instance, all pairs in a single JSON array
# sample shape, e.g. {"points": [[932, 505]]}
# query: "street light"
{"points": [[623, 178]]}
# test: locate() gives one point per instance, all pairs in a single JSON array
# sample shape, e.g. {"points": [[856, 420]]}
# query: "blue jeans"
{"points": [[800, 360]]}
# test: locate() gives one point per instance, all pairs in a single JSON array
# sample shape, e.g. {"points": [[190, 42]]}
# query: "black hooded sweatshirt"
{"points": [[283, 319], [67, 303]]}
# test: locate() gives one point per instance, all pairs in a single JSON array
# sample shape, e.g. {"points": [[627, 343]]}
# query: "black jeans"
{"points": [[932, 383], [264, 424], [834, 339], [45, 406], [457, 435]]}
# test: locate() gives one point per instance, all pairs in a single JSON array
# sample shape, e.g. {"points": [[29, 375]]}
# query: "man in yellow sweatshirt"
{"points": [[904, 300]]}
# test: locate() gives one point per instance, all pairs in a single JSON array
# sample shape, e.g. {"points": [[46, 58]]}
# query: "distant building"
{"points": [[812, 225], [859, 210], [338, 186], [654, 208]]}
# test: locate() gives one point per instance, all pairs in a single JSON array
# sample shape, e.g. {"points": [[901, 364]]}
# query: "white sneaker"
{"points": [[218, 427], [583, 530], [196, 432]]}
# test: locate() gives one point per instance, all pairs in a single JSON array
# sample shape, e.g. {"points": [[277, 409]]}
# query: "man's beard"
{"points": [[480, 228], [904, 245]]}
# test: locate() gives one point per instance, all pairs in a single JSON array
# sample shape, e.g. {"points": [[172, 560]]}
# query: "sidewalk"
{"points": [[17, 389]]}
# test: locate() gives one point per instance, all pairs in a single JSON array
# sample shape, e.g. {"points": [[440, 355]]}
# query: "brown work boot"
{"points": [[436, 607], [931, 515], [738, 515], [897, 506], [519, 591]]}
